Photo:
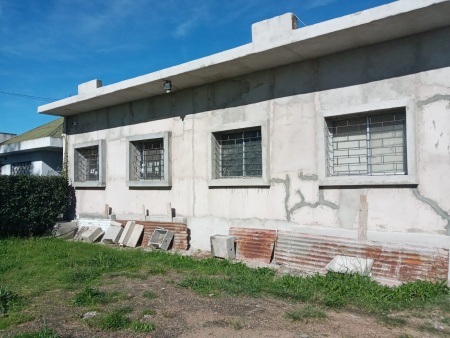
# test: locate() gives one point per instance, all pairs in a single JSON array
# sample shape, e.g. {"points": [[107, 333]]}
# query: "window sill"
{"points": [[238, 182], [150, 184], [94, 184], [368, 180]]}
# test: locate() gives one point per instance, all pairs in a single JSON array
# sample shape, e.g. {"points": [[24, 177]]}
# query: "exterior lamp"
{"points": [[167, 86]]}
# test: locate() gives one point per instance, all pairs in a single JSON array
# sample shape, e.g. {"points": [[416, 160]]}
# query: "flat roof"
{"points": [[383, 23]]}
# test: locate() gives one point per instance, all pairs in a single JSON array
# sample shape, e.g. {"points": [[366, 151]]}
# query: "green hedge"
{"points": [[30, 205]]}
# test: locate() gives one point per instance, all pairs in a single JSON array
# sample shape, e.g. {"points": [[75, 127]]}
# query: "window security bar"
{"points": [[148, 160], [367, 145], [87, 164], [238, 154]]}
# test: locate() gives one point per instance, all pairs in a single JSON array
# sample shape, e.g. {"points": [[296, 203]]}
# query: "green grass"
{"points": [[305, 313], [32, 267], [7, 299], [42, 333], [92, 296], [149, 294], [143, 327], [114, 320]]}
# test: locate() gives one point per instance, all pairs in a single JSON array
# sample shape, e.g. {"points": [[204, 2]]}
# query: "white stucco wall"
{"points": [[289, 98]]}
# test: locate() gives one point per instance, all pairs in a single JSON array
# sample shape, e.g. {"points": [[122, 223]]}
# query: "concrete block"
{"points": [[179, 219], [352, 265], [66, 230], [117, 224], [89, 234], [112, 234], [135, 234], [222, 246], [125, 233], [161, 238], [131, 234]]}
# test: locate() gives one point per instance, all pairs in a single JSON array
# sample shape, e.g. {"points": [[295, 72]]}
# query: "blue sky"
{"points": [[48, 47]]}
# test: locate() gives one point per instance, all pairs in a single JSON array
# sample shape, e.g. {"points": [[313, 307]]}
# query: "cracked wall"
{"points": [[415, 68]]}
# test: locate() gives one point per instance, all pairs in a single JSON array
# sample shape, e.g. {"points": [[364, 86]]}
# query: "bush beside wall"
{"points": [[30, 205]]}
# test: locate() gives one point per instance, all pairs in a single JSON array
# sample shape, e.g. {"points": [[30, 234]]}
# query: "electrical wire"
{"points": [[32, 97]]}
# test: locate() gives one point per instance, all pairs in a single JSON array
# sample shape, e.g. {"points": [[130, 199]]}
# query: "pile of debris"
{"points": [[130, 236]]}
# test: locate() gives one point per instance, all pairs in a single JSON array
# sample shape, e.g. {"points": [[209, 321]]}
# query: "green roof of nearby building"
{"points": [[51, 129]]}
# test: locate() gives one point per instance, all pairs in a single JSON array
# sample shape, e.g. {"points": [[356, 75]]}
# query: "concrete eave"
{"points": [[44, 143], [392, 21]]}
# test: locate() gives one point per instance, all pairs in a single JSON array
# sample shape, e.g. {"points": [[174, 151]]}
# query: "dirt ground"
{"points": [[179, 312]]}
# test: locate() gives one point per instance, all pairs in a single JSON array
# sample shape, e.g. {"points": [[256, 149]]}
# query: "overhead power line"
{"points": [[25, 96]]}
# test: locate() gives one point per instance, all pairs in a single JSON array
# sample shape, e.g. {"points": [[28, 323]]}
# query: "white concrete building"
{"points": [[35, 152], [340, 131]]}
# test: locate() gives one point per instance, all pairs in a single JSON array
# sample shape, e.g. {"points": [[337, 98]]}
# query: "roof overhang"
{"points": [[388, 22], [44, 143]]}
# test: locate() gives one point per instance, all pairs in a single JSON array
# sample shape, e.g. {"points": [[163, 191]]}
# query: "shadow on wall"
{"points": [[72, 205], [410, 55]]}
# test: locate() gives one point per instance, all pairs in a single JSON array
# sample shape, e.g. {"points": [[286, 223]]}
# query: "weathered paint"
{"points": [[254, 244], [309, 253]]}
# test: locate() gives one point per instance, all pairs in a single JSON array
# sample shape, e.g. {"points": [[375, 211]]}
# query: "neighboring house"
{"points": [[35, 152], [6, 136], [335, 135]]}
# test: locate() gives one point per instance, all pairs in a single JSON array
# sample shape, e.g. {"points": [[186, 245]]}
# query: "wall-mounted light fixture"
{"points": [[167, 86]]}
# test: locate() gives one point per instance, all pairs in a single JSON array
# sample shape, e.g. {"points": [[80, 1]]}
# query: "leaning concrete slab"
{"points": [[134, 235], [112, 234], [66, 230], [80, 232], [91, 234], [126, 233]]}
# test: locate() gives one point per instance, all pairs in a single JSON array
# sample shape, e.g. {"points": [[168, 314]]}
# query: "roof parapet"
{"points": [[89, 87], [273, 31]]}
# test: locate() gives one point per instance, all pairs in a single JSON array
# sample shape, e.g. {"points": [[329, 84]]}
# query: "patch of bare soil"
{"points": [[179, 312]]}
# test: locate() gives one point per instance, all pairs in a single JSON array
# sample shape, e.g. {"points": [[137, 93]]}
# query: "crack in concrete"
{"points": [[435, 98], [287, 186], [441, 212]]}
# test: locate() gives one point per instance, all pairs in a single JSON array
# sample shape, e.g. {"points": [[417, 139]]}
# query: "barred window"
{"points": [[237, 153], [147, 162], [367, 144], [21, 168], [87, 164]]}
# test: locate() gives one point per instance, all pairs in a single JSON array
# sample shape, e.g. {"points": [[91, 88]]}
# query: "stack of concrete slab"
{"points": [[113, 233], [89, 234], [131, 234], [66, 230]]}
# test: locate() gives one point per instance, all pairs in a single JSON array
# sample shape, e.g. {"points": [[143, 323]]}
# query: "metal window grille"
{"points": [[367, 144], [22, 168], [238, 153], [86, 164], [147, 162]]}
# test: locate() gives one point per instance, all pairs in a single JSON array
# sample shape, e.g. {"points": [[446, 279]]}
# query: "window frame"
{"points": [[264, 180], [27, 163], [101, 182], [367, 180], [167, 181]]}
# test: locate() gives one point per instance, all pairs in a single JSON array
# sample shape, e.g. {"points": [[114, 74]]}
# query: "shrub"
{"points": [[30, 205]]}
